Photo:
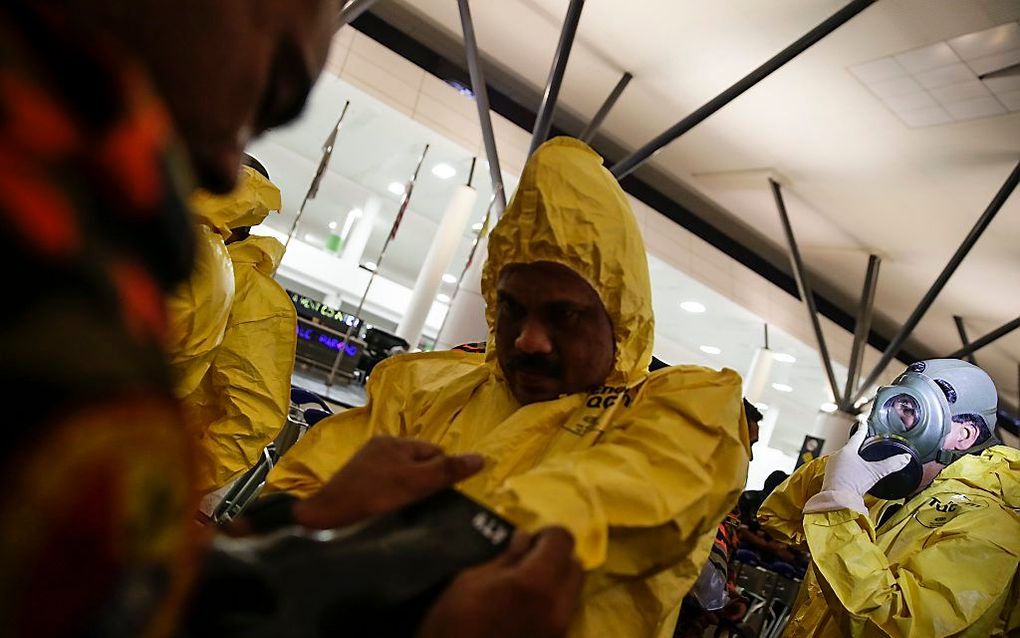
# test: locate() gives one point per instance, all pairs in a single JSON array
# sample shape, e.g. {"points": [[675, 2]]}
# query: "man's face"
{"points": [[753, 428], [230, 69], [553, 335]]}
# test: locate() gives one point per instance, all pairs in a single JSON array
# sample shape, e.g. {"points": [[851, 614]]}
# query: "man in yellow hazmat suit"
{"points": [[943, 560], [234, 373], [639, 467]]}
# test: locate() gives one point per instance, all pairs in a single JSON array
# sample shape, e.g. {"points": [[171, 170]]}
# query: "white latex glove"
{"points": [[848, 477]]}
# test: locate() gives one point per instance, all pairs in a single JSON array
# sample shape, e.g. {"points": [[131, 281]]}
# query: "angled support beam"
{"points": [[481, 91], [630, 163], [804, 287], [981, 342], [543, 123], [589, 131], [862, 327], [958, 320], [929, 297], [353, 9]]}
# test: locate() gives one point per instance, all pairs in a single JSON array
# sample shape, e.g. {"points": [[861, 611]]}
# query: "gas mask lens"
{"points": [[903, 409]]}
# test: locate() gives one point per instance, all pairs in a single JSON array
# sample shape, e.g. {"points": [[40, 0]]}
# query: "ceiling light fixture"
{"points": [[782, 387], [762, 407], [829, 407], [310, 237], [782, 357], [476, 227], [396, 188], [442, 298], [450, 279], [710, 350], [332, 225], [443, 171], [693, 306], [369, 265]]}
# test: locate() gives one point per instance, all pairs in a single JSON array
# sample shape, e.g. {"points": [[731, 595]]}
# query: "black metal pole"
{"points": [[977, 344], [637, 158], [589, 131], [804, 287], [960, 328], [861, 329], [954, 262], [353, 9], [552, 87], [481, 92]]}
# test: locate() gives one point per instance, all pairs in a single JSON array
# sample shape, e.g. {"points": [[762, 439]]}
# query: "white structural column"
{"points": [[758, 375], [465, 322], [834, 428], [437, 261], [354, 244]]}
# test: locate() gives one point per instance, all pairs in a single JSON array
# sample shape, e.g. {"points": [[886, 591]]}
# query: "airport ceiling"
{"points": [[882, 135]]}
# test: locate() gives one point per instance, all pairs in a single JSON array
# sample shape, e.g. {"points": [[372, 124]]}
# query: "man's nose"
{"points": [[533, 338]]}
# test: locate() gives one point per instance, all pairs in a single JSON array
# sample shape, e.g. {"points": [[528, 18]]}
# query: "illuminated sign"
{"points": [[317, 311]]}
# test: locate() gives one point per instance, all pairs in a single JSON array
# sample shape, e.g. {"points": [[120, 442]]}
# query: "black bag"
{"points": [[375, 578]]}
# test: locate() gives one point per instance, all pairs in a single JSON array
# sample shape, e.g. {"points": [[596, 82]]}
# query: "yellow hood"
{"points": [[570, 210], [253, 199], [265, 253]]}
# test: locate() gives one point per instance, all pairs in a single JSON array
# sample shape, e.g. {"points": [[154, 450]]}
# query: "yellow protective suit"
{"points": [[943, 565], [197, 311], [242, 401], [641, 470]]}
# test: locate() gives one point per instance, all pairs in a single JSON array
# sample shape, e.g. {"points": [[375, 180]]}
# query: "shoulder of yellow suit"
{"points": [[995, 470], [569, 209], [413, 370], [265, 253], [247, 205]]}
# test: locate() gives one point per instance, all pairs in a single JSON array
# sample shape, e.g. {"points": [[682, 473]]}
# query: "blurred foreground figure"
{"points": [[936, 553], [97, 533], [575, 432]]}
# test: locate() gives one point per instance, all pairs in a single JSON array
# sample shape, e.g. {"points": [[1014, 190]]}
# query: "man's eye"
{"points": [[567, 315]]}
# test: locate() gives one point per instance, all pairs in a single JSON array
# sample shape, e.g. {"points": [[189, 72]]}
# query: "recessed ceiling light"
{"points": [[396, 188], [782, 357], [829, 407], [441, 298], [782, 387], [369, 265], [310, 237], [450, 279], [443, 171], [710, 350], [693, 306], [763, 407], [476, 227], [332, 225]]}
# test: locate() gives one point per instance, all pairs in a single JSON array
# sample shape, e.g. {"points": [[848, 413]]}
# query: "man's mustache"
{"points": [[544, 365]]}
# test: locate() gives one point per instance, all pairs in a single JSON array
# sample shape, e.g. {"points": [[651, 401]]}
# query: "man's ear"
{"points": [[963, 436]]}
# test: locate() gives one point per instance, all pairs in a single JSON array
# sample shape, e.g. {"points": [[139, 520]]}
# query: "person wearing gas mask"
{"points": [[913, 526]]}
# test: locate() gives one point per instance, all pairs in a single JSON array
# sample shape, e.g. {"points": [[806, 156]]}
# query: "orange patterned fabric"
{"points": [[96, 469]]}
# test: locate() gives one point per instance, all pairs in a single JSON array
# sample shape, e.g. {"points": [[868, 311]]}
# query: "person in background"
{"points": [[939, 556], [240, 402], [110, 114], [639, 467]]}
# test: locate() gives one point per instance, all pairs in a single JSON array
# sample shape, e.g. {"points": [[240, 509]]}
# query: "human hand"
{"points": [[384, 475], [848, 477], [529, 591]]}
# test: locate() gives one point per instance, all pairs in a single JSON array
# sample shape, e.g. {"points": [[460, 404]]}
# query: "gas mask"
{"points": [[915, 414]]}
